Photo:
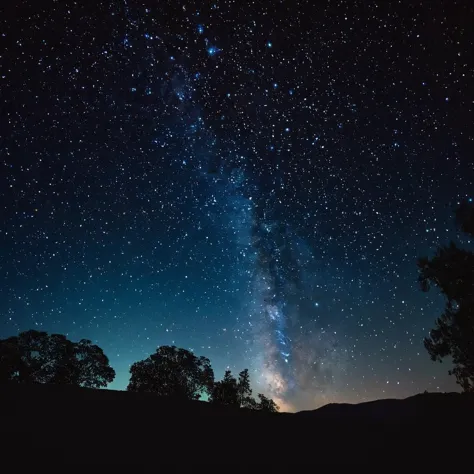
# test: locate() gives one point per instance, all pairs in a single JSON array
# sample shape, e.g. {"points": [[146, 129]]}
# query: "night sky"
{"points": [[250, 180]]}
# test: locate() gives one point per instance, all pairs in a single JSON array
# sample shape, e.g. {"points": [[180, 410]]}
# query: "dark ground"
{"points": [[45, 425]]}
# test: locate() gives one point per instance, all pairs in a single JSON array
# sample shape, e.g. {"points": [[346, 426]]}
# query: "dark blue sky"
{"points": [[252, 182]]}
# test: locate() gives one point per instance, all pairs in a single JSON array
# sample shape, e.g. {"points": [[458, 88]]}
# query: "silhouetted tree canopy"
{"points": [[172, 372], [243, 390], [226, 391], [266, 404], [37, 357], [452, 271], [230, 391]]}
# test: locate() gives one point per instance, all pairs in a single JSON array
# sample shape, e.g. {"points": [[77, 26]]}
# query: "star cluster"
{"points": [[253, 181]]}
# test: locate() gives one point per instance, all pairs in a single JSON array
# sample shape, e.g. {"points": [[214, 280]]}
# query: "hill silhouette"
{"points": [[439, 406], [53, 424]]}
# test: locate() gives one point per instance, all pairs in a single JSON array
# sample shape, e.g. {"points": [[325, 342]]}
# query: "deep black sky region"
{"points": [[251, 180]]}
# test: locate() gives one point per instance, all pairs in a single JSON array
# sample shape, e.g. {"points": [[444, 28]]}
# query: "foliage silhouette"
{"points": [[226, 391], [172, 372], [243, 389], [36, 357], [452, 271], [266, 404], [230, 391]]}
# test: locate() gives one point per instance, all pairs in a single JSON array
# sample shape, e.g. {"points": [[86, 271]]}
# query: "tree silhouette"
{"points": [[251, 404], [452, 271], [230, 391], [266, 404], [36, 357], [92, 364], [226, 392], [243, 390], [172, 372]]}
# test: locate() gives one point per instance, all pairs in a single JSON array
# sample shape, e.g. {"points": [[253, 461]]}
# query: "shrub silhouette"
{"points": [[37, 357]]}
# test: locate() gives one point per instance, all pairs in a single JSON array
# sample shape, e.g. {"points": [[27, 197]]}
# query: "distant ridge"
{"points": [[391, 409]]}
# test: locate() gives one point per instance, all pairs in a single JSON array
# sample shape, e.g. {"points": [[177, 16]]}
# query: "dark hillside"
{"points": [[442, 406], [59, 424]]}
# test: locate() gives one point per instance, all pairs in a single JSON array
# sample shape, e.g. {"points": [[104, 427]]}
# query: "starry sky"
{"points": [[250, 180]]}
